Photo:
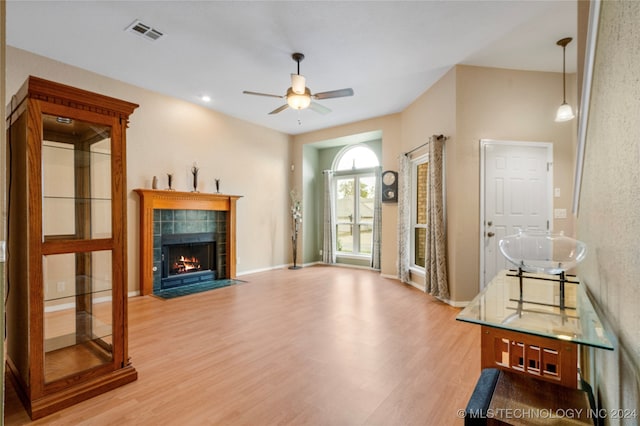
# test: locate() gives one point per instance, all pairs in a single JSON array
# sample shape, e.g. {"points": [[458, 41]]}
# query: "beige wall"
{"points": [[434, 113], [468, 104], [510, 105], [609, 215], [167, 135]]}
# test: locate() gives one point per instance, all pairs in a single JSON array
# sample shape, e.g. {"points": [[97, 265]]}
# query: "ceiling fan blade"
{"points": [[279, 109], [246, 92], [298, 83], [319, 108], [334, 94]]}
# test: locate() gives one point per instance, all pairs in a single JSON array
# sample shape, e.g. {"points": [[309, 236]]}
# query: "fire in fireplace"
{"points": [[185, 265], [188, 259]]}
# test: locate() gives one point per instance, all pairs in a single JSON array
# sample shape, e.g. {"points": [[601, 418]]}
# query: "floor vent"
{"points": [[144, 30]]}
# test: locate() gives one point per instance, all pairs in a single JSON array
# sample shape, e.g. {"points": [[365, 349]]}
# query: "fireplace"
{"points": [[188, 259], [163, 213]]}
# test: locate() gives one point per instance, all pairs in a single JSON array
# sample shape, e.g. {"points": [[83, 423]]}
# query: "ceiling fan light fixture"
{"points": [[298, 83], [298, 100], [565, 112]]}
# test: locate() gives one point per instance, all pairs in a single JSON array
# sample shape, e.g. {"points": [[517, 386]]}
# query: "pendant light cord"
{"points": [[564, 84]]}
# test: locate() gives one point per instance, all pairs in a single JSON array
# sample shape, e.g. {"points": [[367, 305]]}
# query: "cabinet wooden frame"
{"points": [[27, 244]]}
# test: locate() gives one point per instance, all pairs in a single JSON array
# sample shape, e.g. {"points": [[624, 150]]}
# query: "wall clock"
{"points": [[389, 186]]}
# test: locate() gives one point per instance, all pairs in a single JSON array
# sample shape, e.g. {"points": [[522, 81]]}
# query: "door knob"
{"points": [[490, 234]]}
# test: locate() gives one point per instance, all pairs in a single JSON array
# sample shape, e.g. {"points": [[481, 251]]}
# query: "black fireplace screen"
{"points": [[186, 258], [188, 253]]}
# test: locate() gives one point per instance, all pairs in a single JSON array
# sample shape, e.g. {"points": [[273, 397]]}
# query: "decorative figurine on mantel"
{"points": [[194, 172], [169, 180], [296, 220]]}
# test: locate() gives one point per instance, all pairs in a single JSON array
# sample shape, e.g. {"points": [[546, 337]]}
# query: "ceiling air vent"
{"points": [[144, 30]]}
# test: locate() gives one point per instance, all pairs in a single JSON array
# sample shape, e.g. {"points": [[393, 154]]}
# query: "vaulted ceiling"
{"points": [[389, 52]]}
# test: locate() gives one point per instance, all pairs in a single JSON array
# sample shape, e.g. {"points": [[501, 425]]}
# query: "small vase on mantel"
{"points": [[169, 181], [194, 172]]}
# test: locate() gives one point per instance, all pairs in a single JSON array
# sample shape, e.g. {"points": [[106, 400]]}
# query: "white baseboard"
{"points": [[416, 285], [270, 268], [457, 304], [347, 265], [389, 276], [454, 303]]}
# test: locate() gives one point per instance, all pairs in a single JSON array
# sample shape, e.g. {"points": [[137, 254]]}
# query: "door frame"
{"points": [[483, 144]]}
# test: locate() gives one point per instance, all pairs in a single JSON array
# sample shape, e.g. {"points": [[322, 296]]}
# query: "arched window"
{"points": [[356, 157], [355, 186]]}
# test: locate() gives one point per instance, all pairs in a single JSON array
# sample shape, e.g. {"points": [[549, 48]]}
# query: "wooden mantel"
{"points": [[151, 199]]}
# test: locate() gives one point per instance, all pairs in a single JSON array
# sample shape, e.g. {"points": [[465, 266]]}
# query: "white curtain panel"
{"points": [[329, 229], [404, 218], [436, 282], [377, 222]]}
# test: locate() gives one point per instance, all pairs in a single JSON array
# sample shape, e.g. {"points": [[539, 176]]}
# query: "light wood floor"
{"points": [[317, 346]]}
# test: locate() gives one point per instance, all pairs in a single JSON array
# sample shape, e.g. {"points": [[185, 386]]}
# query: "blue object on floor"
{"points": [[195, 288]]}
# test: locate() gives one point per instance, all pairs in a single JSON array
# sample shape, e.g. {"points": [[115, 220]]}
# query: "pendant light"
{"points": [[565, 112]]}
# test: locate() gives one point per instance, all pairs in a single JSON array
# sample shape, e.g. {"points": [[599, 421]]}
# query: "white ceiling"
{"points": [[389, 52]]}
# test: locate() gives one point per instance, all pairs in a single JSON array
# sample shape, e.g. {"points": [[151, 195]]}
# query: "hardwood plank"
{"points": [[316, 346]]}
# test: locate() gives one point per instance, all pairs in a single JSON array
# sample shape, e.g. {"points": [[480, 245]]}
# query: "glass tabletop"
{"points": [[536, 308]]}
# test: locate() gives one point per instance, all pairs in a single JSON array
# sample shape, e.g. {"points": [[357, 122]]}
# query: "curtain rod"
{"points": [[425, 144]]}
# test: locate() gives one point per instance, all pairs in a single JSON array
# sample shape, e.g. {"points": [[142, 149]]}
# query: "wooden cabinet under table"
{"points": [[67, 268], [544, 358], [531, 327]]}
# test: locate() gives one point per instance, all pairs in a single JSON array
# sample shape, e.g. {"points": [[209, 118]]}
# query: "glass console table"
{"points": [[529, 327]]}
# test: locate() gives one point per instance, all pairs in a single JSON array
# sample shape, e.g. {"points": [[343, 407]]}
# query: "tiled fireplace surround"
{"points": [[172, 222], [174, 212]]}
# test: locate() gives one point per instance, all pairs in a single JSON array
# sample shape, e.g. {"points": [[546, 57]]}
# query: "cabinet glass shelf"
{"points": [[99, 331], [537, 310], [98, 294], [78, 199]]}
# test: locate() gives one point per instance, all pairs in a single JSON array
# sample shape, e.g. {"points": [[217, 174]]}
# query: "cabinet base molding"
{"points": [[49, 404]]}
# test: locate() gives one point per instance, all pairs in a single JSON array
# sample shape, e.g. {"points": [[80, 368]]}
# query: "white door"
{"points": [[516, 193]]}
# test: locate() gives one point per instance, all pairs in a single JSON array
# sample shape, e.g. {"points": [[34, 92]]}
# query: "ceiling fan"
{"points": [[299, 96]]}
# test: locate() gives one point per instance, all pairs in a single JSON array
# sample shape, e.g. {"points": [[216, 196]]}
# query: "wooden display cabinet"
{"points": [[67, 261]]}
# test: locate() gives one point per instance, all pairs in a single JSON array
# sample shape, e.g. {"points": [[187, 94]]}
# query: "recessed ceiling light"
{"points": [[205, 98]]}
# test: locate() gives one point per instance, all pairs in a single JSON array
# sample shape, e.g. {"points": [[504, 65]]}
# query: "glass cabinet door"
{"points": [[76, 179], [78, 325], [77, 280]]}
